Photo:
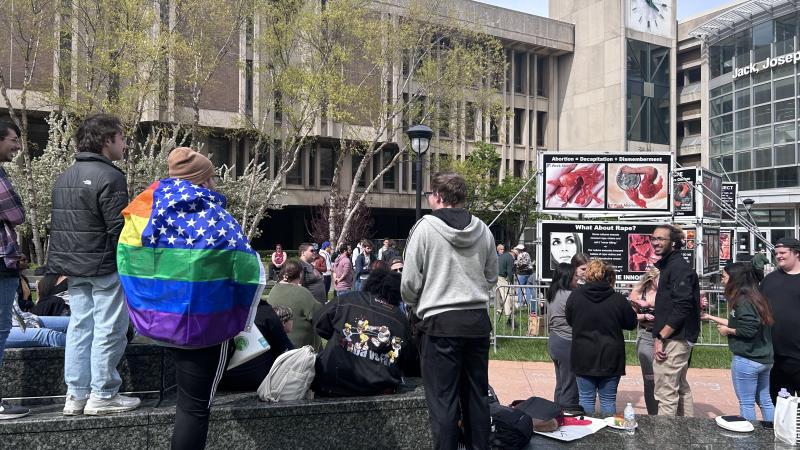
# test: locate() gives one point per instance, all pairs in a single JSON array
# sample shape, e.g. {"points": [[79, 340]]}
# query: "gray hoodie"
{"points": [[447, 269]]}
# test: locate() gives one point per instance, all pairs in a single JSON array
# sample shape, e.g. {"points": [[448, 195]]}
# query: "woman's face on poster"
{"points": [[563, 247]]}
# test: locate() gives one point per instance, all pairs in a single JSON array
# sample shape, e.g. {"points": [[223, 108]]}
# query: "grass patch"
{"points": [[536, 350]]}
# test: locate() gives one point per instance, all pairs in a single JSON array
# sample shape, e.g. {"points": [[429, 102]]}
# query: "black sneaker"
{"points": [[12, 411]]}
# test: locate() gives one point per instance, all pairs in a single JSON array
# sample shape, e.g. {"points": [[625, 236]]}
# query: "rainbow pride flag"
{"points": [[189, 274]]}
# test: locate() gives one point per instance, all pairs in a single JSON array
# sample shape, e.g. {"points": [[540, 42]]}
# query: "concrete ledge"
{"points": [[39, 371], [240, 421]]}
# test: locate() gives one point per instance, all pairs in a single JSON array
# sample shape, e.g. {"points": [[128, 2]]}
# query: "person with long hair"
{"points": [[643, 300], [579, 262], [559, 341], [597, 315], [749, 333], [563, 246]]}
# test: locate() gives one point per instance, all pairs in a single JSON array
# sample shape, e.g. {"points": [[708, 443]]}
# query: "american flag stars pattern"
{"points": [[192, 217]]}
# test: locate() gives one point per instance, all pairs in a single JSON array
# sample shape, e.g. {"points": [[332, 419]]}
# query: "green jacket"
{"points": [[505, 266], [753, 339], [759, 260]]}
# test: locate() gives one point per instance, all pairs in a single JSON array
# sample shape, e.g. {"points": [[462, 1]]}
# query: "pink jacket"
{"points": [[343, 268]]}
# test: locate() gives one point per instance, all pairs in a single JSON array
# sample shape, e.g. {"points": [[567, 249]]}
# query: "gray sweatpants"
{"points": [[566, 392]]}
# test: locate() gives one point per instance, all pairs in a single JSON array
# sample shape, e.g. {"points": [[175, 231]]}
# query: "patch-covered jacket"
{"points": [[368, 346]]}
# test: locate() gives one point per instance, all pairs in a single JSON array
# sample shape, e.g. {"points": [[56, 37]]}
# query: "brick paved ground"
{"points": [[712, 388]]}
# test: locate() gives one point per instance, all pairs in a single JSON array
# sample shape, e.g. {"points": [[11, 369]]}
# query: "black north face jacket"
{"points": [[88, 199]]}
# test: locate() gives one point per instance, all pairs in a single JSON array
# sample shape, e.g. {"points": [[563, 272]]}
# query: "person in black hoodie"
{"points": [[677, 323], [598, 314], [368, 340]]}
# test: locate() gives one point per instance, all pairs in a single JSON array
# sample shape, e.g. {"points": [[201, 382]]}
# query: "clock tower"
{"points": [[617, 89]]}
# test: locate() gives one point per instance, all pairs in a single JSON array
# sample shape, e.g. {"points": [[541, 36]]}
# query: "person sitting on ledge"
{"points": [[30, 330], [368, 340]]}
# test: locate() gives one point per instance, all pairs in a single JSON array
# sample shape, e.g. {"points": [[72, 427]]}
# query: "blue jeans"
{"points": [[523, 279], [96, 337], [8, 292], [52, 334], [751, 384], [590, 387]]}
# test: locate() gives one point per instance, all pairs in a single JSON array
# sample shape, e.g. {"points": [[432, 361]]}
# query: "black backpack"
{"points": [[511, 428]]}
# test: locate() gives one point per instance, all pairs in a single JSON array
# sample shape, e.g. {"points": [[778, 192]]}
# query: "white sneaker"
{"points": [[118, 403], [74, 406]]}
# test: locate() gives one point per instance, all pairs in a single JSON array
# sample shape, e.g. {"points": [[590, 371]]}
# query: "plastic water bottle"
{"points": [[784, 393], [630, 420]]}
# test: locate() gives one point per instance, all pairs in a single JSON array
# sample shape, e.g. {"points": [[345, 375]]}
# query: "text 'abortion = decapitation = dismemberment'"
{"points": [[598, 159]]}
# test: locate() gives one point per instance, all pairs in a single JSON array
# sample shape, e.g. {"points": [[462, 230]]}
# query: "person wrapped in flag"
{"points": [[192, 282]]}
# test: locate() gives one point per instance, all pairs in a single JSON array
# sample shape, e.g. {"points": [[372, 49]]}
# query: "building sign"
{"points": [[626, 183], [625, 245], [683, 192], [769, 63], [729, 190]]}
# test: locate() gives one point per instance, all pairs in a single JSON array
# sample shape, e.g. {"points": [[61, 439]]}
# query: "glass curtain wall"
{"points": [[753, 119]]}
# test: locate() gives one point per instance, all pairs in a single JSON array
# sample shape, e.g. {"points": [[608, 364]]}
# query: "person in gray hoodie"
{"points": [[450, 269]]}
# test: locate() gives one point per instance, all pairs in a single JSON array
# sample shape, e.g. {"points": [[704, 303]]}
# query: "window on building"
{"points": [[783, 88], [312, 168], [494, 131], [508, 70], [520, 69], [327, 162], [762, 40], [519, 168], [541, 76], [784, 155], [295, 175], [786, 177], [278, 106], [220, 150], [744, 140], [541, 128], [248, 87], [744, 44], [693, 127], [519, 125], [648, 92], [742, 98], [744, 161], [444, 119], [693, 75], [390, 177], [785, 31], [469, 121]]}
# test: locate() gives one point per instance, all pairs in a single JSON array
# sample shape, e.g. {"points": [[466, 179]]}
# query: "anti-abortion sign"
{"points": [[712, 193], [726, 250], [683, 192], [625, 245], [729, 189], [629, 183], [711, 250]]}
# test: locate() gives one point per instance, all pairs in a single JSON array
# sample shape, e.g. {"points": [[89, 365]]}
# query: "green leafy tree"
{"points": [[488, 195]]}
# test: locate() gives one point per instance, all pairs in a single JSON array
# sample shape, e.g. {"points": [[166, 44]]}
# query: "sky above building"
{"points": [[686, 8]]}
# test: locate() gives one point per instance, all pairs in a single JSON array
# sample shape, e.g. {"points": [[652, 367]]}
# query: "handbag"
{"points": [[785, 423]]}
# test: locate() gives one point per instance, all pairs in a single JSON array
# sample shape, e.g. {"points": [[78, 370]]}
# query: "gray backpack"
{"points": [[290, 377]]}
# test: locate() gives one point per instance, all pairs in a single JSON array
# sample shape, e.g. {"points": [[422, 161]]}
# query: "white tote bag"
{"points": [[786, 420]]}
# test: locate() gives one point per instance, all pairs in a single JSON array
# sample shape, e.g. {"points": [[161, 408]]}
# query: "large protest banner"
{"points": [[625, 245], [630, 183]]}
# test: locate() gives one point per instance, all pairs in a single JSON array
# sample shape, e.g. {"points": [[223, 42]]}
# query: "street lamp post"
{"points": [[420, 136]]}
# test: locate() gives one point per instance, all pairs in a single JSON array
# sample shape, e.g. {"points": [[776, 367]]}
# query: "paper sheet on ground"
{"points": [[573, 432]]}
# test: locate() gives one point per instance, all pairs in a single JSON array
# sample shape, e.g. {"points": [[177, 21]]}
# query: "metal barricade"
{"points": [[520, 312]]}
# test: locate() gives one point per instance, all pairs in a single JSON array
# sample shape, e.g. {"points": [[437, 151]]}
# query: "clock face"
{"points": [[651, 16]]}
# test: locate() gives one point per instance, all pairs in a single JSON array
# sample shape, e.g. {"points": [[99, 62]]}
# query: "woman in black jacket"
{"points": [[598, 315]]}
